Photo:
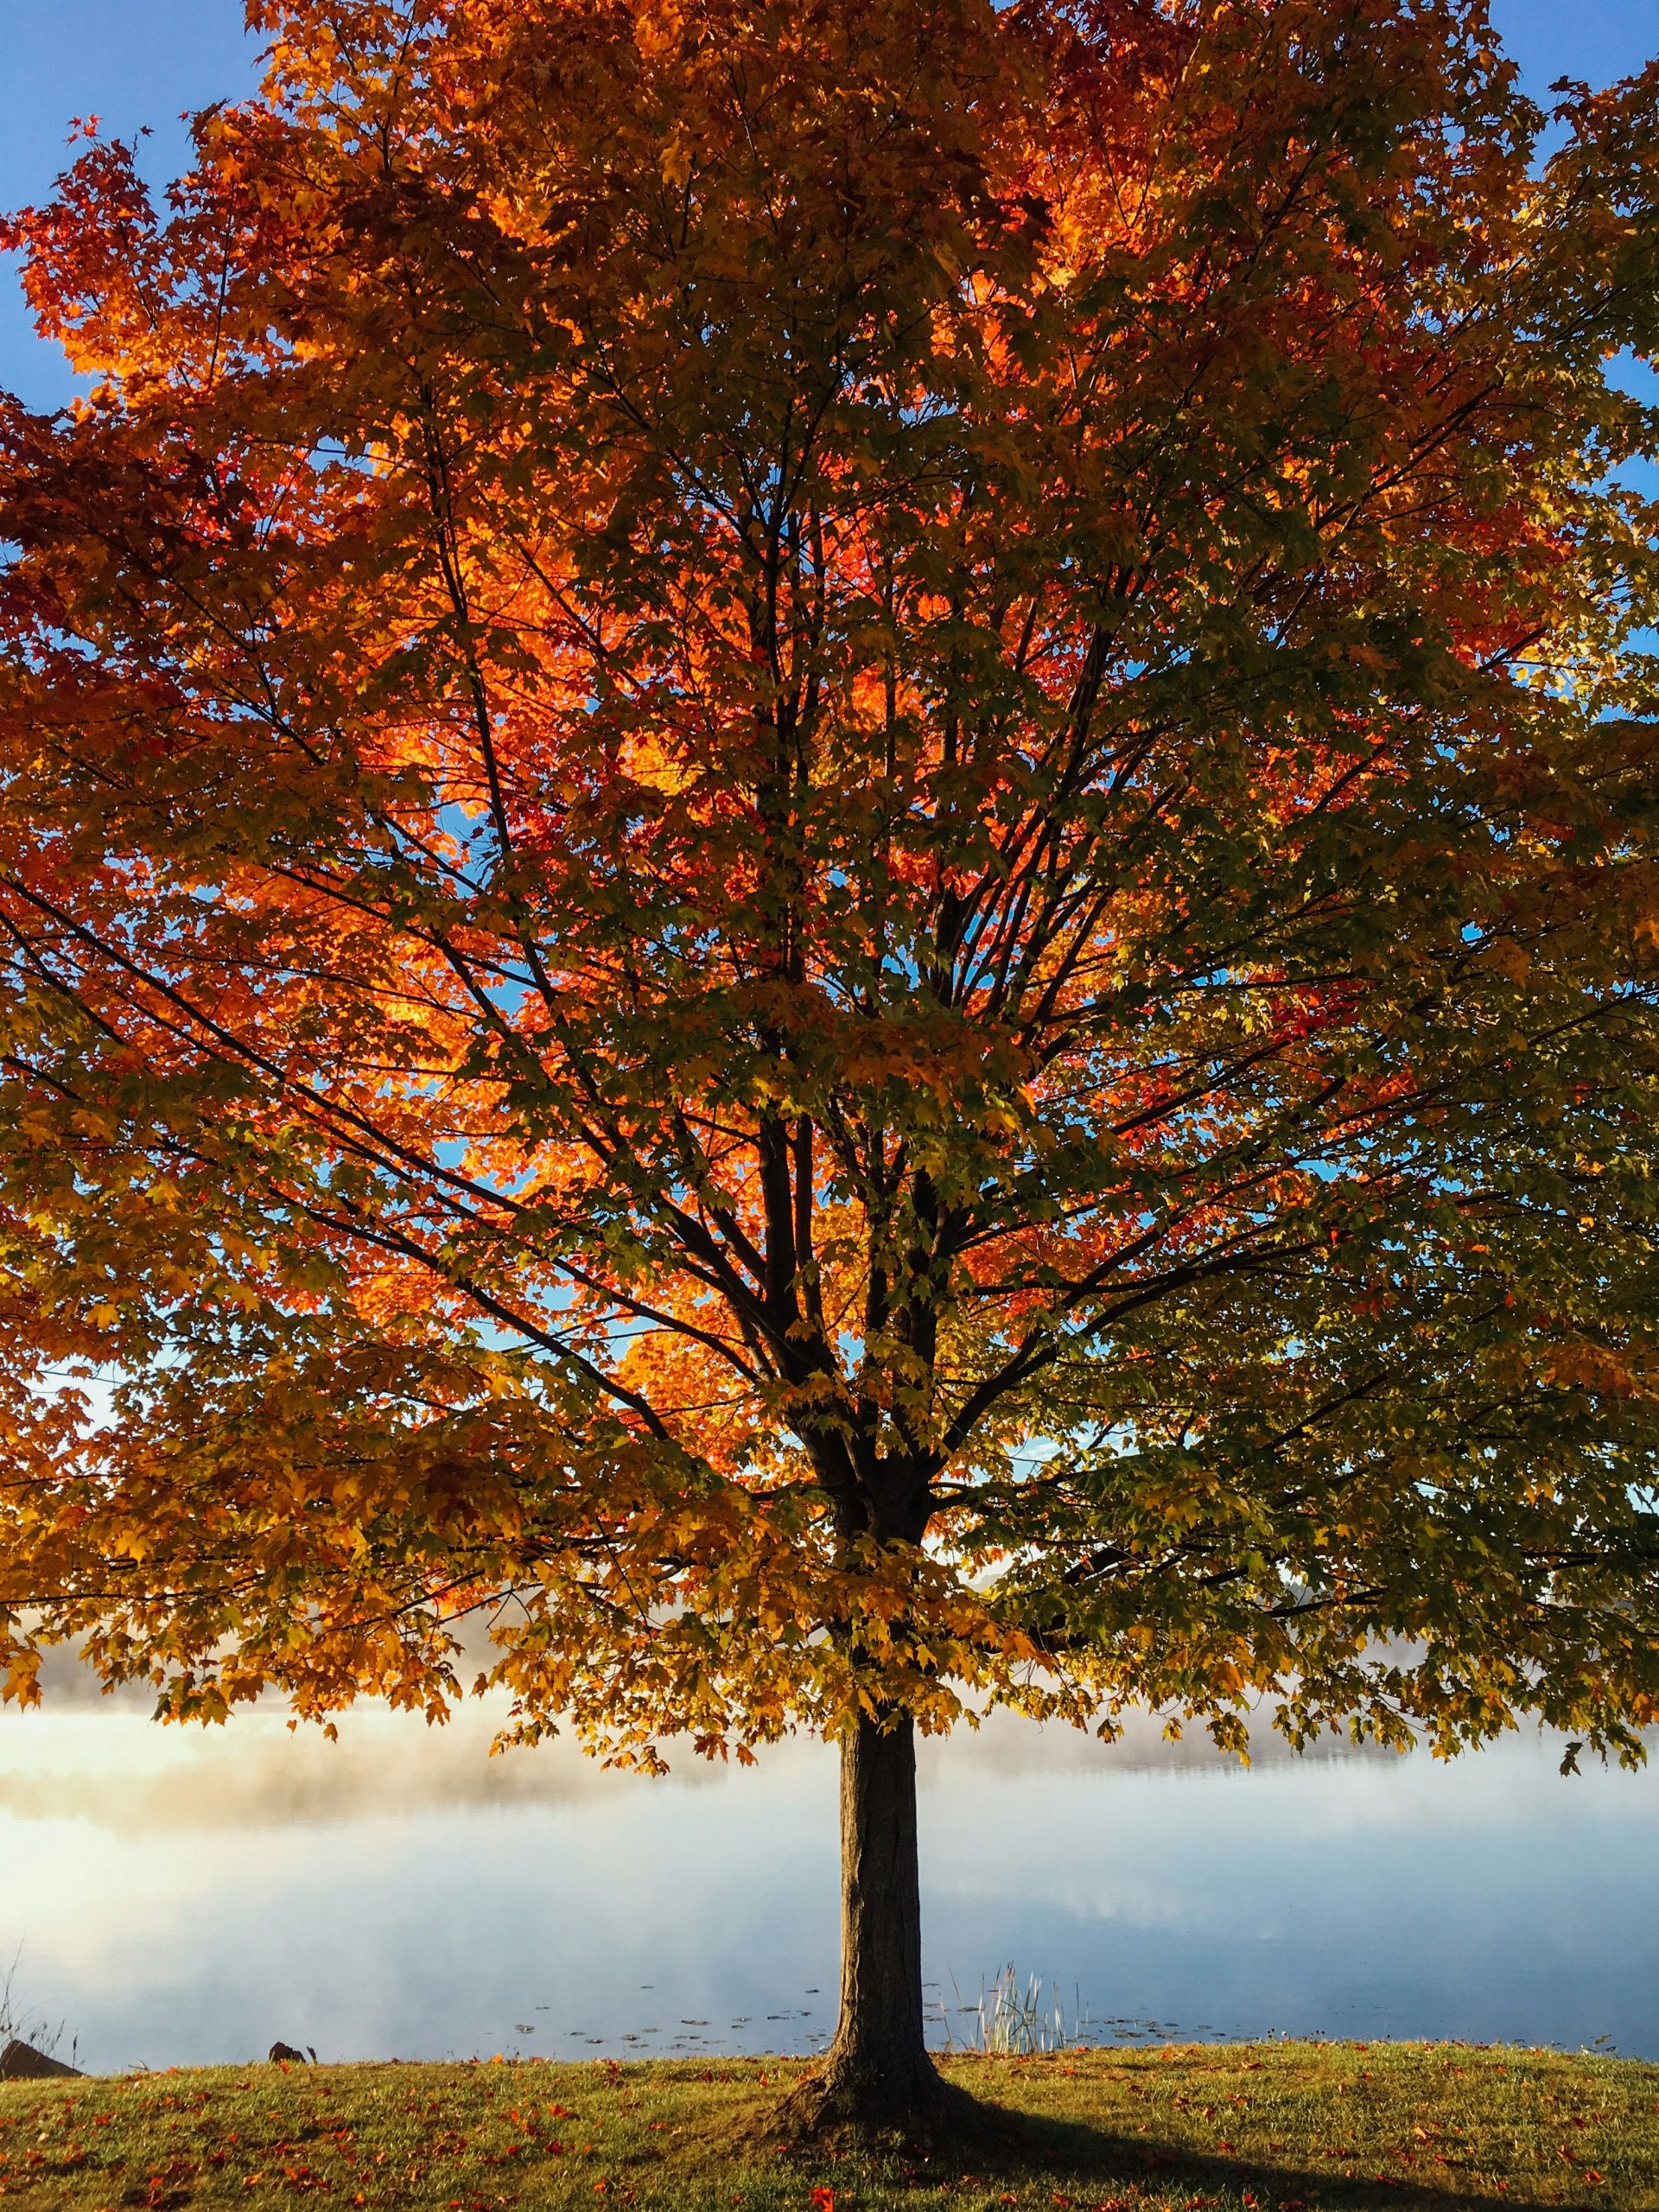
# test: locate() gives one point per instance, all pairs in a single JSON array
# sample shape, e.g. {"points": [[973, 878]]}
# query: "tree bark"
{"points": [[877, 2071], [876, 2078]]}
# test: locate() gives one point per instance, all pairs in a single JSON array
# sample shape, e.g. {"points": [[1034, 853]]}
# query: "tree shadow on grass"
{"points": [[1093, 2164]]}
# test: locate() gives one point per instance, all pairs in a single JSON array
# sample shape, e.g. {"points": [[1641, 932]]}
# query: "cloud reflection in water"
{"points": [[183, 1897]]}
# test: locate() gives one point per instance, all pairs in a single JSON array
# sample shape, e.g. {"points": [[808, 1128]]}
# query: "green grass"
{"points": [[1275, 2127]]}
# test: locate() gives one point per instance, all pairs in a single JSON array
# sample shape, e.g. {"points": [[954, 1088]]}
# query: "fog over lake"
{"points": [[182, 1897]]}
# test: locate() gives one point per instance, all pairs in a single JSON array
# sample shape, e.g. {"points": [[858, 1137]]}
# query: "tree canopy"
{"points": [[829, 857]]}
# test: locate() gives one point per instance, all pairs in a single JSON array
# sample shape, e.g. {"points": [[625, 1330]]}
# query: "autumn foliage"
{"points": [[829, 859]]}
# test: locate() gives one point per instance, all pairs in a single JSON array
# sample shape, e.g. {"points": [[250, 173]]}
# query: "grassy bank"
{"points": [[1281, 2128]]}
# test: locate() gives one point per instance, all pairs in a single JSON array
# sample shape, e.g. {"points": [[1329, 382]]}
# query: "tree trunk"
{"points": [[877, 2071], [876, 2077]]}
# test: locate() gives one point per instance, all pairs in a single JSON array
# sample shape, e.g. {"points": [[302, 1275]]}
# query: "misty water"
{"points": [[181, 1899]]}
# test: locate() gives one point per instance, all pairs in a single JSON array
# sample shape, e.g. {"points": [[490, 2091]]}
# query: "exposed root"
{"points": [[839, 2110]]}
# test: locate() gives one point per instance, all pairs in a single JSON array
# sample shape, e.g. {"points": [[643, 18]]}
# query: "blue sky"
{"points": [[136, 62]]}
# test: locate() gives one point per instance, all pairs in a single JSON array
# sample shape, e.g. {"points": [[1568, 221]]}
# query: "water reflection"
{"points": [[183, 1899]]}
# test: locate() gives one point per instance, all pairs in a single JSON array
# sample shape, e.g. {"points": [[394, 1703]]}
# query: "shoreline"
{"points": [[1280, 2126]]}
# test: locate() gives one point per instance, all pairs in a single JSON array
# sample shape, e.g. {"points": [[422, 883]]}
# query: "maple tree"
{"points": [[829, 865]]}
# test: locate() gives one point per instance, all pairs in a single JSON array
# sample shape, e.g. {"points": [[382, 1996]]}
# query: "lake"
{"points": [[183, 1899]]}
